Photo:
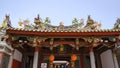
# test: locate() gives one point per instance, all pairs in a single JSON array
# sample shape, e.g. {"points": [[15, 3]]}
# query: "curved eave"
{"points": [[64, 33]]}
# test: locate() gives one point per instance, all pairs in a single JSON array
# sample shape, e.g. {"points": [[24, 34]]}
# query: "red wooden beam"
{"points": [[62, 34], [64, 42]]}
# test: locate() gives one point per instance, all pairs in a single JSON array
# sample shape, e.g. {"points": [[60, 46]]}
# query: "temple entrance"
{"points": [[62, 56], [61, 64]]}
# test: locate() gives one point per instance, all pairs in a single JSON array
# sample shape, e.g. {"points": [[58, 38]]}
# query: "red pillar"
{"points": [[1, 55], [91, 49], [81, 61], [41, 58], [37, 48]]}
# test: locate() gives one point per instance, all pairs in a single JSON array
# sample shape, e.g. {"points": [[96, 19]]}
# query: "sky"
{"points": [[104, 11]]}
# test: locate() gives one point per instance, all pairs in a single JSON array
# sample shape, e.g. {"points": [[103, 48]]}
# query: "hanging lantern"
{"points": [[51, 58], [73, 57]]}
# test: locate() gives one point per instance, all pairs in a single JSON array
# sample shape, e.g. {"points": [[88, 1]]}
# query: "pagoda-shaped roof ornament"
{"points": [[38, 20], [117, 24]]}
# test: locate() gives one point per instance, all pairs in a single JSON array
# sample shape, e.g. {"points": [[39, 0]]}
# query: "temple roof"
{"points": [[64, 33], [45, 26]]}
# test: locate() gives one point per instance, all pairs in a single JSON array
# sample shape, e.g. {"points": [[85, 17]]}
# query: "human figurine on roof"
{"points": [[91, 24], [61, 26], [6, 22], [47, 20], [117, 24], [75, 21], [89, 21]]}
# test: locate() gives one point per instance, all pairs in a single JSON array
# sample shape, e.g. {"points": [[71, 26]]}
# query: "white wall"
{"points": [[18, 55], [107, 59]]}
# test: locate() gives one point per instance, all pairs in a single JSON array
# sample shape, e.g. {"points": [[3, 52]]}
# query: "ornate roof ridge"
{"points": [[45, 26]]}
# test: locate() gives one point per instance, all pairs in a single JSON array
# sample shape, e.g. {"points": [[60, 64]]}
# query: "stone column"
{"points": [[92, 58], [115, 60], [11, 60], [36, 54]]}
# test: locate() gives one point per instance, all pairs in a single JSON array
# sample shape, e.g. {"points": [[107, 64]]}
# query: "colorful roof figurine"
{"points": [[117, 24], [6, 23]]}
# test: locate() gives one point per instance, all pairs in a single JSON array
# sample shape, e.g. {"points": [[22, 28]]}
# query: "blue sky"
{"points": [[104, 11]]}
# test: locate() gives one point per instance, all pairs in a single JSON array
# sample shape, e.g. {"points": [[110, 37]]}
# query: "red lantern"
{"points": [[51, 58], [73, 57]]}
